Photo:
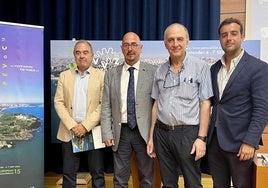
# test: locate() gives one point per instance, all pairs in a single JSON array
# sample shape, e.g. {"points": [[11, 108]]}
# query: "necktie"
{"points": [[131, 111]]}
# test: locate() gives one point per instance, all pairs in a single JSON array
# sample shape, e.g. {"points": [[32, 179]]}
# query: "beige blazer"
{"points": [[63, 101]]}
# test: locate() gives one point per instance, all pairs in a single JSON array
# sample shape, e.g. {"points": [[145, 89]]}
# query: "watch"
{"points": [[203, 138]]}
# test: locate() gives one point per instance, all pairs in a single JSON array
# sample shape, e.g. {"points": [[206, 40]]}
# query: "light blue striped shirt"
{"points": [[80, 96], [179, 98]]}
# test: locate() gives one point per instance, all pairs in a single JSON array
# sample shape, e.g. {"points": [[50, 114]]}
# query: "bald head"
{"points": [[176, 27], [131, 35], [131, 48]]}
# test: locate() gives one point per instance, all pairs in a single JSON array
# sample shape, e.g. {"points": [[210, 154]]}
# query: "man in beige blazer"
{"points": [[78, 104]]}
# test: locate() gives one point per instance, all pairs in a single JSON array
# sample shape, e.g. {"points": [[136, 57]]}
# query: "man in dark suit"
{"points": [[240, 109], [115, 125]]}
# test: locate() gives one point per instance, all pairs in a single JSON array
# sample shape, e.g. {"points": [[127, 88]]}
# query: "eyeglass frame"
{"points": [[133, 45], [169, 72]]}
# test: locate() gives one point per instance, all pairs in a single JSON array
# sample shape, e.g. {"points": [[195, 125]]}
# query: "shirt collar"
{"points": [[136, 66], [87, 71], [184, 63], [235, 60]]}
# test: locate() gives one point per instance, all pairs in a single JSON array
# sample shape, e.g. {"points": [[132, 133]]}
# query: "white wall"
{"points": [[257, 24]]}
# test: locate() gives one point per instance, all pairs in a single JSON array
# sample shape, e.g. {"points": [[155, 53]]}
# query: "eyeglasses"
{"points": [[133, 45], [170, 79]]}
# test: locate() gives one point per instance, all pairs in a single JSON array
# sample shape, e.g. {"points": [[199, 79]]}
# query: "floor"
{"points": [[52, 178]]}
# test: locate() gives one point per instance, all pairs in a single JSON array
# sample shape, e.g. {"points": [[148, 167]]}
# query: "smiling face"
{"points": [[231, 39], [176, 40], [83, 55], [131, 48]]}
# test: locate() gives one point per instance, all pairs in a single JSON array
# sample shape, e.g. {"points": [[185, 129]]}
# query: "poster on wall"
{"points": [[21, 106], [107, 54]]}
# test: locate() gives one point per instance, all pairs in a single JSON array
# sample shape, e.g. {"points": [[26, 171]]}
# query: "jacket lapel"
{"points": [[91, 82], [235, 73], [215, 80], [117, 82], [71, 82], [141, 76]]}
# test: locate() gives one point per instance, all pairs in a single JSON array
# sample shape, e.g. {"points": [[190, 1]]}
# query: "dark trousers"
{"points": [[226, 167], [131, 140], [71, 163], [173, 149]]}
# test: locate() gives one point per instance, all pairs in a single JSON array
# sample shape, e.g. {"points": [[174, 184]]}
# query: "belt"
{"points": [[164, 126], [161, 125], [126, 125]]}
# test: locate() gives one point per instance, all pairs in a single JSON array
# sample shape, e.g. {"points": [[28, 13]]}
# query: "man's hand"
{"points": [[199, 148], [150, 149], [246, 152], [109, 143], [79, 130]]}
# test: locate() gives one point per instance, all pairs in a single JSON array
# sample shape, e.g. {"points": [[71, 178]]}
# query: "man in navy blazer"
{"points": [[240, 109]]}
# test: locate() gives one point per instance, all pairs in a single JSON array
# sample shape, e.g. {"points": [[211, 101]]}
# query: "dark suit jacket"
{"points": [[111, 104], [242, 112]]}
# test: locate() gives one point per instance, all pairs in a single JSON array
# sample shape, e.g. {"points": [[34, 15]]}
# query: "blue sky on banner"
{"points": [[21, 71]]}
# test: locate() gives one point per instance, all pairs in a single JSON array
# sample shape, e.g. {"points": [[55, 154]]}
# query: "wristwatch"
{"points": [[203, 138]]}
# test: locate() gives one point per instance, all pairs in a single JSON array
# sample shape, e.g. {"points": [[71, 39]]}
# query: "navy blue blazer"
{"points": [[242, 113]]}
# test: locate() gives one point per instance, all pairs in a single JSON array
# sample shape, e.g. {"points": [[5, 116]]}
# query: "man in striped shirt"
{"points": [[180, 115]]}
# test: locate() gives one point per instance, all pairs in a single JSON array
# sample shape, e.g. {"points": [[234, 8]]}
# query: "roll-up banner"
{"points": [[21, 106]]}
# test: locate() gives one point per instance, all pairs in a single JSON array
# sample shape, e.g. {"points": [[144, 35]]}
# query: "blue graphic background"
{"points": [[22, 91]]}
